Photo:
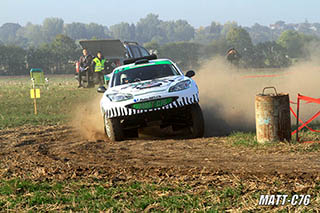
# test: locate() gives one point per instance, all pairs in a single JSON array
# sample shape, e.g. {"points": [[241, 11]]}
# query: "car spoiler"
{"points": [[133, 60]]}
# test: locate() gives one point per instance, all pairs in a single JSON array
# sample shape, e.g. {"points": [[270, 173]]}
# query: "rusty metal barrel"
{"points": [[272, 116]]}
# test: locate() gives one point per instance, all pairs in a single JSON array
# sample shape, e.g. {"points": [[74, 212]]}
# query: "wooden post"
{"points": [[298, 106], [35, 102], [34, 98]]}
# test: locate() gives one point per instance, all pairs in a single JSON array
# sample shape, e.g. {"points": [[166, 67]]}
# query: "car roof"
{"points": [[149, 63]]}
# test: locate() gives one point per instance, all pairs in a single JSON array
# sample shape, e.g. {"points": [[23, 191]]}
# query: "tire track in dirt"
{"points": [[58, 152]]}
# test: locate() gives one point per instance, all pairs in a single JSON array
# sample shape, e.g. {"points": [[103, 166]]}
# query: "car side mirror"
{"points": [[190, 73], [101, 89]]}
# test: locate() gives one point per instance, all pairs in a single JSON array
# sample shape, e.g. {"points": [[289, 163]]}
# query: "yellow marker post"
{"points": [[38, 80], [34, 94]]}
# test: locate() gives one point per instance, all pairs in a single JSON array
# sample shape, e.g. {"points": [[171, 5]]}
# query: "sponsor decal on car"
{"points": [[147, 99], [152, 104]]}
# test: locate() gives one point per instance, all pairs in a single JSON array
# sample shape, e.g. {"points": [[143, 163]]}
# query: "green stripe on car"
{"points": [[129, 67]]}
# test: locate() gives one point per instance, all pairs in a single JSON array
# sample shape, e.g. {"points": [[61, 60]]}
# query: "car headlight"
{"points": [[180, 86], [119, 97]]}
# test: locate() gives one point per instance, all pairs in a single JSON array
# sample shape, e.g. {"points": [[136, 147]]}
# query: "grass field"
{"points": [[225, 193], [54, 107], [95, 196]]}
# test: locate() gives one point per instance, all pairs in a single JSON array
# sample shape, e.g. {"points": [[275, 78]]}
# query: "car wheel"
{"points": [[131, 133], [113, 129], [197, 126]]}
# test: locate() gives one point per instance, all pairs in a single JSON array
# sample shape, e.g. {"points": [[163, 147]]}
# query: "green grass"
{"points": [[76, 196], [243, 139], [54, 106], [95, 196], [248, 139]]}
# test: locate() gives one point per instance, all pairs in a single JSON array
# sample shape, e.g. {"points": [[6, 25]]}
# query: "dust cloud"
{"points": [[227, 94], [87, 119]]}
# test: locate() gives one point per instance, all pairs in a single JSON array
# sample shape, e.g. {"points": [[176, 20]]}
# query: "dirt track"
{"points": [[58, 152]]}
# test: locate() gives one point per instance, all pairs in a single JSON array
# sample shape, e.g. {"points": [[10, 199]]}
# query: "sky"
{"points": [[196, 12]]}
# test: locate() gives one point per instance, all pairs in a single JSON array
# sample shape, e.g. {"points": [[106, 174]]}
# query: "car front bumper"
{"points": [[121, 109]]}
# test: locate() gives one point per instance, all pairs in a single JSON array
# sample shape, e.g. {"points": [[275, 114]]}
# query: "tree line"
{"points": [[53, 44], [53, 57]]}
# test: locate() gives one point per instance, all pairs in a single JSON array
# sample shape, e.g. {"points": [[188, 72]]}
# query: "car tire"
{"points": [[197, 126], [113, 129], [131, 133]]}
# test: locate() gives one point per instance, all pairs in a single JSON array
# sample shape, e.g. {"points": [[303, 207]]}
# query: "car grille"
{"points": [[152, 104]]}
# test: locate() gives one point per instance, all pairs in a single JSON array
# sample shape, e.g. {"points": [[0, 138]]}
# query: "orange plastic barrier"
{"points": [[304, 124]]}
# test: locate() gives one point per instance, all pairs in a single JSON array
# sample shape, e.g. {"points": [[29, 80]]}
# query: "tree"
{"points": [[186, 54], [47, 58], [206, 35], [227, 27], [79, 31], [260, 34], [216, 47], [95, 30], [271, 54], [8, 32], [293, 42], [13, 60], [52, 27], [3, 57], [63, 49], [33, 35], [149, 28], [76, 31], [239, 39], [179, 30], [35, 58], [123, 31]]}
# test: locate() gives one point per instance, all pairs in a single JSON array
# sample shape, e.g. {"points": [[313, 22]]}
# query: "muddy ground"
{"points": [[59, 153]]}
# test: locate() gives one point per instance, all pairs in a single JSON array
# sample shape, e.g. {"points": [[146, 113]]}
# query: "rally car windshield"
{"points": [[143, 73]]}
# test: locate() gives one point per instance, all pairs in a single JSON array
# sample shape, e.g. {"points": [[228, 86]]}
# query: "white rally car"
{"points": [[150, 92]]}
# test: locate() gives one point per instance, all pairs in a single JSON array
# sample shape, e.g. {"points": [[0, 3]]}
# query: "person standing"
{"points": [[84, 65], [233, 56], [98, 67]]}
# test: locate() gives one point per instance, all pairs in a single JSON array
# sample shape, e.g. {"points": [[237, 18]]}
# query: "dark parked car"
{"points": [[114, 51]]}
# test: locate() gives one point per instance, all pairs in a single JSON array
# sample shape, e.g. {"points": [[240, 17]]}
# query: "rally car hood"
{"points": [[147, 96], [149, 86]]}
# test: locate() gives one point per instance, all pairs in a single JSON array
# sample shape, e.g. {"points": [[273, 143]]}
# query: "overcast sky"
{"points": [[196, 12]]}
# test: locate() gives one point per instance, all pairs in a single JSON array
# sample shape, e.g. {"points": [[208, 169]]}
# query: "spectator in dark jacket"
{"points": [[84, 65]]}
